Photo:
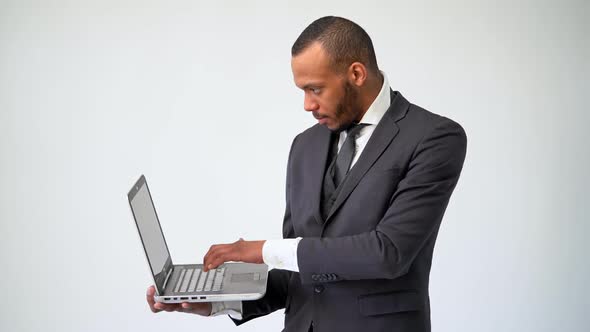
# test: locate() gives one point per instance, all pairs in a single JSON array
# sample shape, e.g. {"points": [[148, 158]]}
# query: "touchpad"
{"points": [[241, 277]]}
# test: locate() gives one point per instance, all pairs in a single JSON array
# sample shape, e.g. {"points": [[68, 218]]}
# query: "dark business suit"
{"points": [[366, 265]]}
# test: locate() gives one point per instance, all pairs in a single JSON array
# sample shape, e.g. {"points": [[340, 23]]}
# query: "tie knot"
{"points": [[355, 129]]}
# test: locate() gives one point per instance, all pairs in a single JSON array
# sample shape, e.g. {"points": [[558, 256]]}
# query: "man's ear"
{"points": [[357, 74]]}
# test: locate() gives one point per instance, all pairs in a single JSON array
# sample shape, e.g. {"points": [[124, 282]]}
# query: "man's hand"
{"points": [[239, 251], [201, 308]]}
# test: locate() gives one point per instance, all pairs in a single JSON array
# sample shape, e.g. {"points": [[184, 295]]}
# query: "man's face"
{"points": [[329, 96]]}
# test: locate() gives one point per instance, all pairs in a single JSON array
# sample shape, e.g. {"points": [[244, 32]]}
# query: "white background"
{"points": [[199, 97]]}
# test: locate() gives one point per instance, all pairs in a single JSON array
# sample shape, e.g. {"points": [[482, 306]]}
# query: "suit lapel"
{"points": [[318, 160], [384, 133]]}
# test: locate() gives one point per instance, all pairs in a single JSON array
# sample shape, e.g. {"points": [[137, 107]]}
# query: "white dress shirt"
{"points": [[282, 253]]}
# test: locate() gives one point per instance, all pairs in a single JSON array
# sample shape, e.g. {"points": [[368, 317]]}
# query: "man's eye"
{"points": [[315, 91]]}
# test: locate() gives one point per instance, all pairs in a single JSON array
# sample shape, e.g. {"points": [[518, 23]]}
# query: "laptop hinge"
{"points": [[167, 277]]}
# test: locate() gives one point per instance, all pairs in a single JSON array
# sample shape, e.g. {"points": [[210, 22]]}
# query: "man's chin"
{"points": [[335, 128], [327, 123]]}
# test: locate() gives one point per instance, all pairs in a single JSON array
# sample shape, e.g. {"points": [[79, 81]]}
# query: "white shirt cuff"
{"points": [[231, 308], [281, 254]]}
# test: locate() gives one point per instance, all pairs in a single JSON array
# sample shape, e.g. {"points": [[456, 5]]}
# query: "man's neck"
{"points": [[372, 91]]}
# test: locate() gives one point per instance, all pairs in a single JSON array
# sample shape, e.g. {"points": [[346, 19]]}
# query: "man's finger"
{"points": [[166, 307], [150, 298], [213, 250], [192, 306], [213, 258], [200, 308], [221, 256]]}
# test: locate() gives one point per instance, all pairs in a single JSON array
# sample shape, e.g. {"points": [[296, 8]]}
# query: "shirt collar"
{"points": [[379, 106]]}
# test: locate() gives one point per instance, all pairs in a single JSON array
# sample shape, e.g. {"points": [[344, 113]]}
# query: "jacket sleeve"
{"points": [[277, 286], [414, 213]]}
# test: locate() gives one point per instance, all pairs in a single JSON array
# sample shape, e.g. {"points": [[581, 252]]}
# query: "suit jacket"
{"points": [[366, 266]]}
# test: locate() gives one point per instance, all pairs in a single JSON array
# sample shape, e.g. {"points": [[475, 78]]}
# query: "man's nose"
{"points": [[309, 104]]}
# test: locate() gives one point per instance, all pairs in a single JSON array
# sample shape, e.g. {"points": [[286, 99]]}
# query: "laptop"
{"points": [[188, 282]]}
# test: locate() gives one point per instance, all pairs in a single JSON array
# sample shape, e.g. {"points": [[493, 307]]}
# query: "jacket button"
{"points": [[318, 289]]}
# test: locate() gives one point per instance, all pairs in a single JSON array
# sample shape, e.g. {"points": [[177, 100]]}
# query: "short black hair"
{"points": [[344, 41]]}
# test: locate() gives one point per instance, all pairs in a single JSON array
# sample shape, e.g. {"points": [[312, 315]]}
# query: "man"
{"points": [[366, 190]]}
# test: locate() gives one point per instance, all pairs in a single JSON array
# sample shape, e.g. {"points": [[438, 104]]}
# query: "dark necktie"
{"points": [[346, 153]]}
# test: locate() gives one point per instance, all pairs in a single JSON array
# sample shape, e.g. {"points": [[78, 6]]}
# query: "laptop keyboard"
{"points": [[195, 280]]}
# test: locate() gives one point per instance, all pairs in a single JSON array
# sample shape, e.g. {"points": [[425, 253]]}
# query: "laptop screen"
{"points": [[150, 232]]}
